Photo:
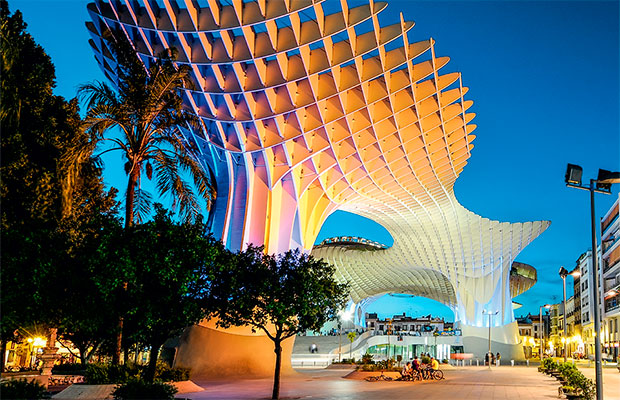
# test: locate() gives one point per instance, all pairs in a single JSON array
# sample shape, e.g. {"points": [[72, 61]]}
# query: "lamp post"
{"points": [[490, 314], [542, 330], [563, 274], [343, 316], [339, 341], [602, 184]]}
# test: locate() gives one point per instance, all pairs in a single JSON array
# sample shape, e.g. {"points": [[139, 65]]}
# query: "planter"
{"points": [[573, 396]]}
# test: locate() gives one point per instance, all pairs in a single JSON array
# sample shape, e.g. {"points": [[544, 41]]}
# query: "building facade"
{"points": [[587, 306], [404, 325], [610, 235], [534, 332]]}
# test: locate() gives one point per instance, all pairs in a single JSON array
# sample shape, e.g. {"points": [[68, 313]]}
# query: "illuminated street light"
{"points": [[602, 184]]}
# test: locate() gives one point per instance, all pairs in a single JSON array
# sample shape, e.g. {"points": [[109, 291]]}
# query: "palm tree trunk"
{"points": [[131, 195], [276, 375], [129, 204]]}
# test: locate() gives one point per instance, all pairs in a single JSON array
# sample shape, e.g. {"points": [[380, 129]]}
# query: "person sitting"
{"points": [[407, 372], [416, 364], [434, 364]]}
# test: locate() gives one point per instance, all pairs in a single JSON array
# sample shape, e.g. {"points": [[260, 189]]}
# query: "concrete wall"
{"points": [[504, 339], [213, 352]]}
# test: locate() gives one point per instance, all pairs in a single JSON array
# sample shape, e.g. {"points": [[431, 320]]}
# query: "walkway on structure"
{"points": [[505, 383]]}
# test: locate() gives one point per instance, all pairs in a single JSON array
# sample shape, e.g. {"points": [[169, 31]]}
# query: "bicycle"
{"points": [[379, 378], [436, 374]]}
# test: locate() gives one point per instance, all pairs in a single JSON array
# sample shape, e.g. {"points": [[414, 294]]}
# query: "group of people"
{"points": [[490, 359], [415, 367]]}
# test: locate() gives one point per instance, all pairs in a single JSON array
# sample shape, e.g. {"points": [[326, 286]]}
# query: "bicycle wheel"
{"points": [[372, 378], [387, 378], [438, 375]]}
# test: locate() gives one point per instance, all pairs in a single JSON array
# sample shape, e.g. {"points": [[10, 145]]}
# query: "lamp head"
{"points": [[575, 273], [573, 174], [606, 178], [563, 272], [547, 306]]}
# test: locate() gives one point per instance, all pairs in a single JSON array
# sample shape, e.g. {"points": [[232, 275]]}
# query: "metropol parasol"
{"points": [[314, 106]]}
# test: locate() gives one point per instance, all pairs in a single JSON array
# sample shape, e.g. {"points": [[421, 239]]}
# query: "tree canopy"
{"points": [[51, 186], [281, 295], [171, 265]]}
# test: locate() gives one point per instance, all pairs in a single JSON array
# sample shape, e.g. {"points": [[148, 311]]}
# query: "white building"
{"points": [[587, 306], [610, 234]]}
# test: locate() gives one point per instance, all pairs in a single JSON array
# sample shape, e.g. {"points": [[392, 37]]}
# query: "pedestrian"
{"points": [[498, 357], [486, 359]]}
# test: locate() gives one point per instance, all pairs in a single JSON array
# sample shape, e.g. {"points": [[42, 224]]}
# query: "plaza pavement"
{"points": [[611, 381], [462, 383]]}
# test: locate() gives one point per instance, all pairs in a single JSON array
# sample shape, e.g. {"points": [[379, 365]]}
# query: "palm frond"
{"points": [[142, 204]]}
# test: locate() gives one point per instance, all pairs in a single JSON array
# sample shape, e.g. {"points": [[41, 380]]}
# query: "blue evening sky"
{"points": [[544, 77]]}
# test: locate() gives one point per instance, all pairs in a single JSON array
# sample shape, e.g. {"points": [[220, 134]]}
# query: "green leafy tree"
{"points": [[88, 295], [49, 181], [281, 295], [351, 336], [171, 263]]}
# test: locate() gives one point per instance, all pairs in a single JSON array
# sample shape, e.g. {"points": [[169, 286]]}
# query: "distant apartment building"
{"points": [[532, 332], [610, 244], [404, 325], [556, 329], [587, 306]]}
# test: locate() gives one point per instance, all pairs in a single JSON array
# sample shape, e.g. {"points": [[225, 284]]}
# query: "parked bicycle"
{"points": [[381, 377]]}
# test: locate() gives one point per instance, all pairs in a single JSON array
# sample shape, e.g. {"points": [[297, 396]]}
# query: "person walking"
{"points": [[498, 357]]}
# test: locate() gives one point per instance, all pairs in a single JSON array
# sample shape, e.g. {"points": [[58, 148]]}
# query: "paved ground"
{"points": [[518, 383], [611, 381]]}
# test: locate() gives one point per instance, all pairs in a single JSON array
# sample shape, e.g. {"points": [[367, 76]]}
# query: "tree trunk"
{"points": [[276, 375], [129, 203], [125, 355], [82, 349], [116, 356], [150, 371], [131, 195], [3, 347]]}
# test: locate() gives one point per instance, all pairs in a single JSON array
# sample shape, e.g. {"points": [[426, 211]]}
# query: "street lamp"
{"points": [[602, 184], [542, 330], [490, 314], [563, 274]]}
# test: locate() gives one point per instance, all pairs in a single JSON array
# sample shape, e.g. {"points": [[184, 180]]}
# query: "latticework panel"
{"points": [[312, 106]]}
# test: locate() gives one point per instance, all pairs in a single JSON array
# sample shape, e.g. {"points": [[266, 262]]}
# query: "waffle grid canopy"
{"points": [[315, 106]]}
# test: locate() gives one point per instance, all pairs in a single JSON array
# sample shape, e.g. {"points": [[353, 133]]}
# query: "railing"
{"points": [[309, 363], [353, 240], [610, 266]]}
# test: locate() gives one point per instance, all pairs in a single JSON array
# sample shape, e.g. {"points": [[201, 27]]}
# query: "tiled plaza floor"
{"points": [[506, 383]]}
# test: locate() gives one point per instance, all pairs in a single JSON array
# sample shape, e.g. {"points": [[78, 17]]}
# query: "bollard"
{"points": [[512, 363], [470, 362], [477, 363], [527, 362]]}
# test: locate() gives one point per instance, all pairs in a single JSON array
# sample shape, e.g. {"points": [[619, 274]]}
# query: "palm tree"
{"points": [[147, 108], [148, 112]]}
